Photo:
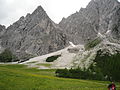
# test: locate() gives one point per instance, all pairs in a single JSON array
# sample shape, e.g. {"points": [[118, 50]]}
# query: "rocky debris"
{"points": [[98, 25], [65, 59], [85, 58]]}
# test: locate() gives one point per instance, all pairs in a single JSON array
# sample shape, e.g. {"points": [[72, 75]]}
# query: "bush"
{"points": [[92, 43], [79, 74], [52, 58], [7, 56], [62, 73]]}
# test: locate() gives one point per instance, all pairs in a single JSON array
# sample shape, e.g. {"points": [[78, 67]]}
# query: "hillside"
{"points": [[64, 60], [36, 34], [35, 40], [99, 16]]}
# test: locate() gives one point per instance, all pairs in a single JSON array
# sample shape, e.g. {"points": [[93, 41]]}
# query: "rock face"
{"points": [[115, 25], [98, 26], [105, 22], [2, 30], [84, 25], [35, 34]]}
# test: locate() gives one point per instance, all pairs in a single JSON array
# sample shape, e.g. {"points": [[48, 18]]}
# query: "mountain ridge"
{"points": [[26, 36], [36, 34]]}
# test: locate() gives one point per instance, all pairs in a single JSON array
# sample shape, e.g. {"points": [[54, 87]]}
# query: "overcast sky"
{"points": [[12, 10]]}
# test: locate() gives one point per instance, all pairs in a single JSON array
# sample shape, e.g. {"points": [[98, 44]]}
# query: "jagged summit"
{"points": [[39, 8], [2, 27], [40, 12], [95, 18], [35, 34]]}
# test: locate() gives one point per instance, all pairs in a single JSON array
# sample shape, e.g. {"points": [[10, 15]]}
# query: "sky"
{"points": [[12, 10]]}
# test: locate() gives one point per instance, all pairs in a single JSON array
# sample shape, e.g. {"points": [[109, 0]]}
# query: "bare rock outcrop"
{"points": [[98, 16], [35, 34]]}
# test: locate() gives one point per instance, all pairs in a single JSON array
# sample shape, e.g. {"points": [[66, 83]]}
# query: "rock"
{"points": [[2, 31], [35, 34], [83, 26]]}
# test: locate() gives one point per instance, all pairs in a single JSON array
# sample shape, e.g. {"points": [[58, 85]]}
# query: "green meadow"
{"points": [[19, 77]]}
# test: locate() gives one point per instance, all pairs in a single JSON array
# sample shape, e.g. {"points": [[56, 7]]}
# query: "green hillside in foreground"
{"points": [[19, 77]]}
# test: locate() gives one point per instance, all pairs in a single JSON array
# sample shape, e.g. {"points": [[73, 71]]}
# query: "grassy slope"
{"points": [[18, 77]]}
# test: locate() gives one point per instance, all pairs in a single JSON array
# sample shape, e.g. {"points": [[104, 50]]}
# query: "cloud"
{"points": [[63, 8], [12, 10]]}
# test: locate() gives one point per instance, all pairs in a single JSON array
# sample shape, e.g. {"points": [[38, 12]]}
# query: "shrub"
{"points": [[92, 43], [105, 67], [78, 74], [7, 56], [52, 58], [108, 64]]}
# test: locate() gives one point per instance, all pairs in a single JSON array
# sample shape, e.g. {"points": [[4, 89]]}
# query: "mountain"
{"points": [[35, 34], [96, 32], [94, 28], [98, 16], [2, 30], [97, 27]]}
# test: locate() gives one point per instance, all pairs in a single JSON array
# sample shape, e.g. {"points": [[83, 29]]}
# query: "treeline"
{"points": [[108, 64], [7, 56], [79, 74], [105, 67]]}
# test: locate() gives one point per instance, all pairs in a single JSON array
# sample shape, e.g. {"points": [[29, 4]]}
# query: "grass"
{"points": [[19, 77], [32, 62], [44, 64]]}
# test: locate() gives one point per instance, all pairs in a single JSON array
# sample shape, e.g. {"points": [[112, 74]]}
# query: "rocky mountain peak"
{"points": [[2, 27], [39, 9], [34, 34], [39, 12], [37, 34], [89, 21]]}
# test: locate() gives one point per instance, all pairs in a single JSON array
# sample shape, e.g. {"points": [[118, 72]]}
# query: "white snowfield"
{"points": [[64, 61]]}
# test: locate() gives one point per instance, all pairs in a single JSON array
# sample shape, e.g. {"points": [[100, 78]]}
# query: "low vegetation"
{"points": [[79, 74], [108, 64], [19, 77], [92, 43], [106, 67], [44, 64], [7, 56], [52, 58]]}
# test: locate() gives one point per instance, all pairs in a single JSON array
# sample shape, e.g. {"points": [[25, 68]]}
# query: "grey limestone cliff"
{"points": [[98, 16], [2, 30], [35, 34]]}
